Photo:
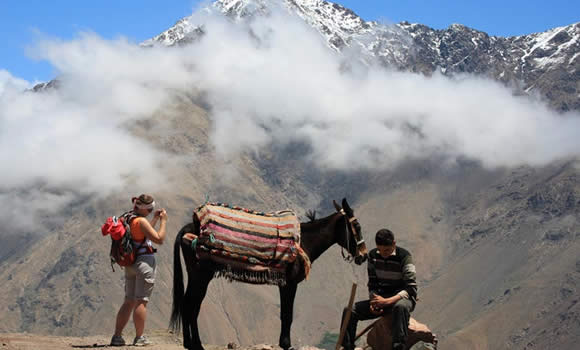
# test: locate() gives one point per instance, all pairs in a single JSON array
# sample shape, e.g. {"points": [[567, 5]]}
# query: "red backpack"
{"points": [[119, 228]]}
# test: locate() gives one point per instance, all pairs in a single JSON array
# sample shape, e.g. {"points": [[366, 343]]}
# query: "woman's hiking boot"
{"points": [[141, 341], [117, 340]]}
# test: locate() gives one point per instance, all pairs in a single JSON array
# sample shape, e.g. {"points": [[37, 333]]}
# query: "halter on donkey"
{"points": [[317, 236]]}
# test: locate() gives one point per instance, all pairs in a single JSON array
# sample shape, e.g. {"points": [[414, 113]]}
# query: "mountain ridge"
{"points": [[546, 63]]}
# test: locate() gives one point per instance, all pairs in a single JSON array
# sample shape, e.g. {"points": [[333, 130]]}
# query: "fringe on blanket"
{"points": [[254, 277]]}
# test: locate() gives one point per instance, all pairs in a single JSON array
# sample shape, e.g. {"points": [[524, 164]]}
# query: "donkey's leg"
{"points": [[287, 295], [196, 290]]}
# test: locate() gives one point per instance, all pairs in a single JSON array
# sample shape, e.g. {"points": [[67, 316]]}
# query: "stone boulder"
{"points": [[380, 336]]}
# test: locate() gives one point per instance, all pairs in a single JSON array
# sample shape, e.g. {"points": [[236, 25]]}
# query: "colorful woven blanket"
{"points": [[252, 246]]}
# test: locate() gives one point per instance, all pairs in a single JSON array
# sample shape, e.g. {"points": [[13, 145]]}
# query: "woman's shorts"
{"points": [[140, 278]]}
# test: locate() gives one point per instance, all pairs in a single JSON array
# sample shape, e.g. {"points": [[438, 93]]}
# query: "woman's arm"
{"points": [[155, 220], [150, 232]]}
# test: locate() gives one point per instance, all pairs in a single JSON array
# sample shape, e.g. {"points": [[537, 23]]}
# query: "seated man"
{"points": [[392, 288]]}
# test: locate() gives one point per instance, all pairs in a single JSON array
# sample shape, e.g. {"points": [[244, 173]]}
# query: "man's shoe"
{"points": [[117, 340], [398, 346], [141, 341]]}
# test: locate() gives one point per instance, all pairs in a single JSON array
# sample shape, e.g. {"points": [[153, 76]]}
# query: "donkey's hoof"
{"points": [[287, 347]]}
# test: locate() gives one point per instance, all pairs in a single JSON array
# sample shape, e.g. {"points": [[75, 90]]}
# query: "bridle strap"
{"points": [[349, 223], [354, 233], [347, 257]]}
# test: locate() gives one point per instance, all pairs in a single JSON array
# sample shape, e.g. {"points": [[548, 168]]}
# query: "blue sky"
{"points": [[23, 22]]}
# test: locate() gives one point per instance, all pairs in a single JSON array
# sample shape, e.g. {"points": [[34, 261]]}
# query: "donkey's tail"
{"points": [[176, 311]]}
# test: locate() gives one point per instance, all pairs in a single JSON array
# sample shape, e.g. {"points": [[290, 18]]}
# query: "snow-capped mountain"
{"points": [[546, 63]]}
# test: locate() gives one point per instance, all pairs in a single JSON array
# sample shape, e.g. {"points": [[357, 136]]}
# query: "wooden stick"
{"points": [[368, 328], [346, 317]]}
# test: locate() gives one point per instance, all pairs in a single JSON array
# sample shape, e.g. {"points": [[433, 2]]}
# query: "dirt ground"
{"points": [[162, 340]]}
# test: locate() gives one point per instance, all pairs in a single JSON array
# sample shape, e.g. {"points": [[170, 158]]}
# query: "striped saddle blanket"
{"points": [[246, 239]]}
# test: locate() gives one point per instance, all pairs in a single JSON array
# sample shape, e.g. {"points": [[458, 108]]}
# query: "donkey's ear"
{"points": [[338, 208], [345, 205]]}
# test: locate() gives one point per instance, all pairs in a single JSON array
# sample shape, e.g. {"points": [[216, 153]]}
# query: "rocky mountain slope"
{"points": [[513, 281]]}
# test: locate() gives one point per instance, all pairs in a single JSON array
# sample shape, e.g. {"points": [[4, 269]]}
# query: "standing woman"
{"points": [[140, 277]]}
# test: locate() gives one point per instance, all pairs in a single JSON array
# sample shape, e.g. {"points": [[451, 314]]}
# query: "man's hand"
{"points": [[378, 302], [375, 311]]}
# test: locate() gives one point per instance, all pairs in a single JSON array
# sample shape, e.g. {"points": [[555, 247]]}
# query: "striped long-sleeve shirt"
{"points": [[393, 275]]}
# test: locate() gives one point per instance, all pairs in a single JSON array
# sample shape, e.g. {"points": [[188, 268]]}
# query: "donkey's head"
{"points": [[350, 238]]}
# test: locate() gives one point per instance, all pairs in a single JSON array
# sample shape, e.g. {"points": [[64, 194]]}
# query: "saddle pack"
{"points": [[247, 245]]}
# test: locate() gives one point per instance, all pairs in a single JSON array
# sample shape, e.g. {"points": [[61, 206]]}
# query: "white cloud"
{"points": [[9, 83], [74, 139], [277, 85], [283, 83]]}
